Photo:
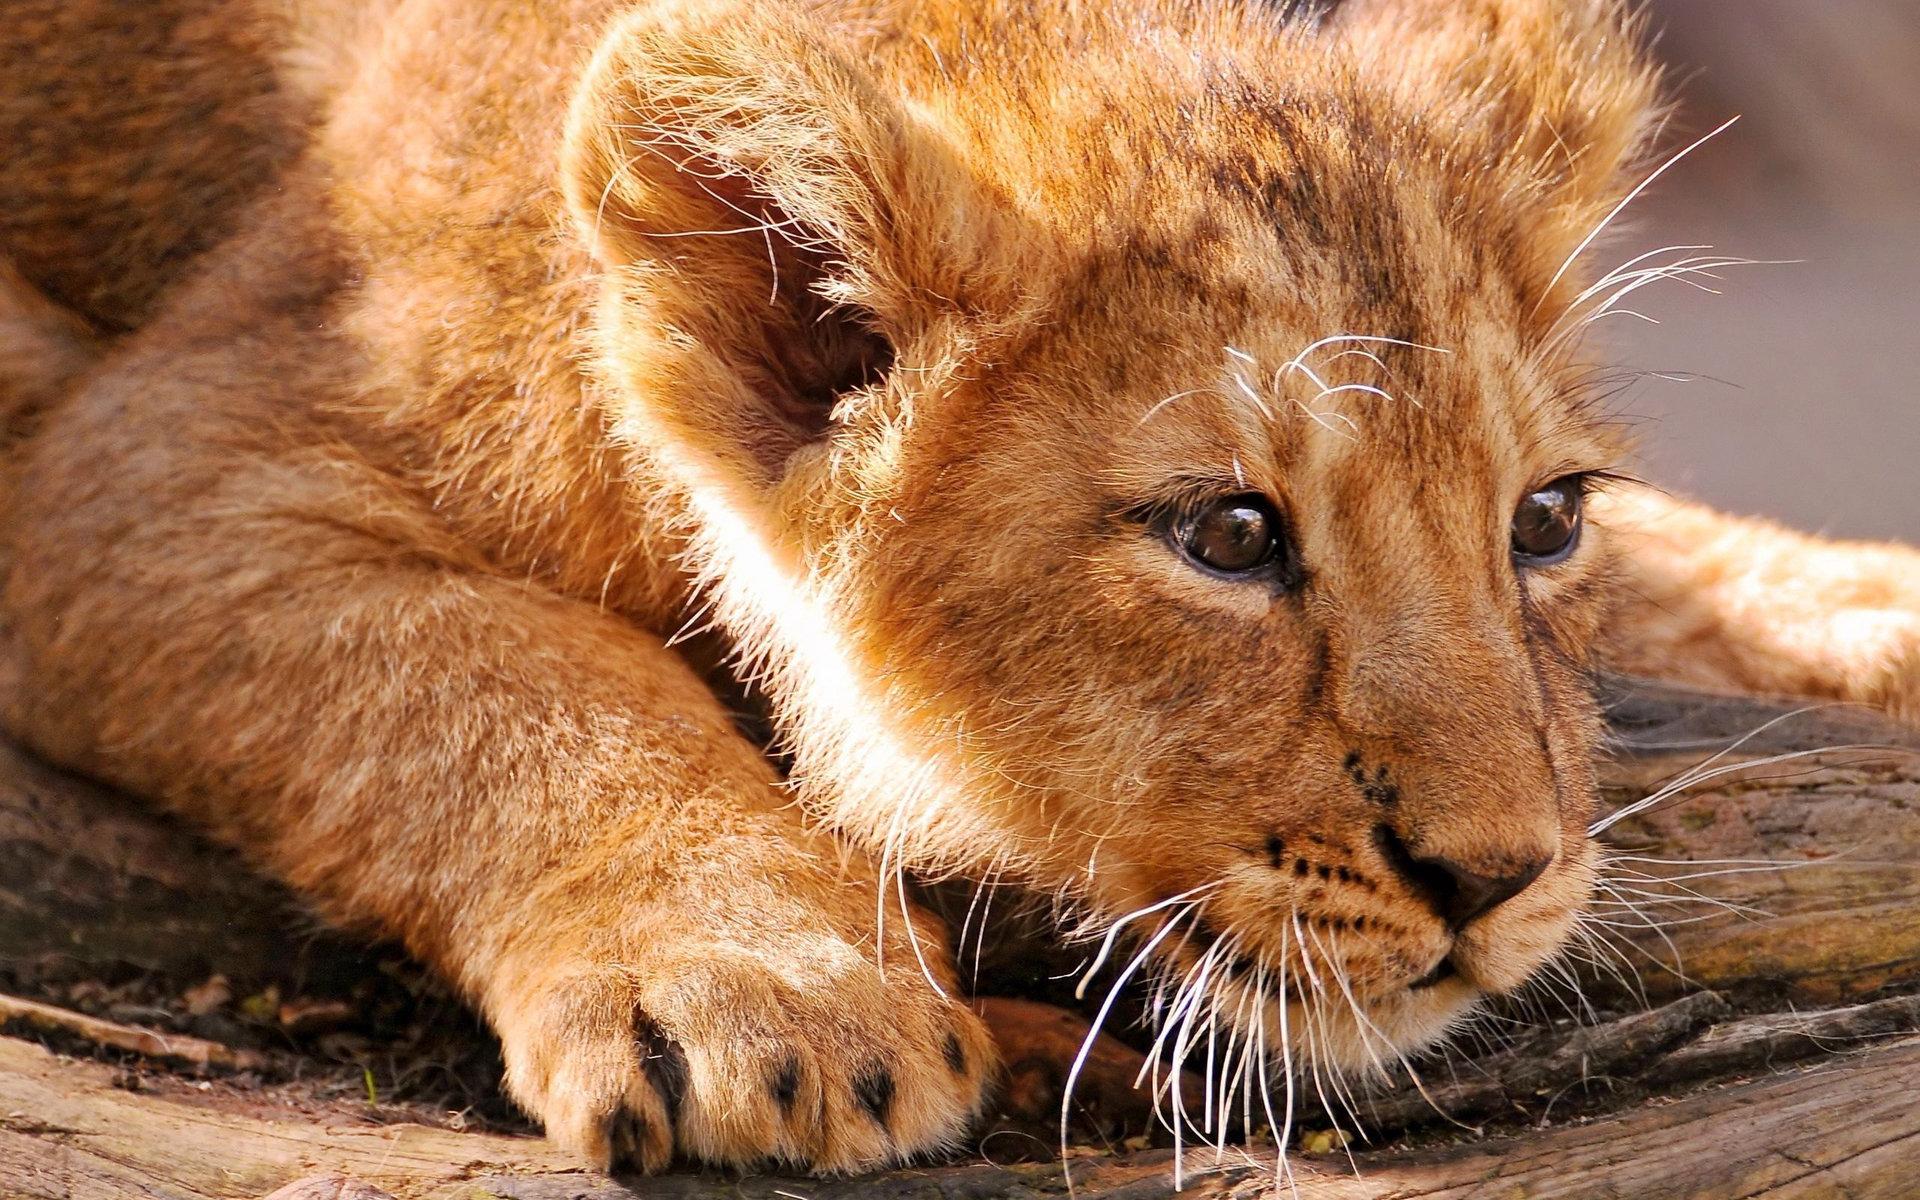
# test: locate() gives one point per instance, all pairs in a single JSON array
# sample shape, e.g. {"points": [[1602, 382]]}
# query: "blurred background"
{"points": [[1808, 405]]}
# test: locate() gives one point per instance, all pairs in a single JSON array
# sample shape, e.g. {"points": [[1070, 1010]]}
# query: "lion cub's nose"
{"points": [[1474, 894], [1459, 894]]}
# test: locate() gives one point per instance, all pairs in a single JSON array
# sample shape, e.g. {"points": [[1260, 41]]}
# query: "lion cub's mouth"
{"points": [[1443, 970], [1246, 965]]}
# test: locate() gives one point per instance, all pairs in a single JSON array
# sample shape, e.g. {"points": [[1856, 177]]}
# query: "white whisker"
{"points": [[1167, 926], [1630, 197]]}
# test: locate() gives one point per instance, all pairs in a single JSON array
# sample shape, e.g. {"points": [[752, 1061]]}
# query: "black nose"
{"points": [[1458, 894]]}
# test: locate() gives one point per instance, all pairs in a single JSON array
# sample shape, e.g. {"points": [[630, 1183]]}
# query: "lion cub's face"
{"points": [[1278, 619], [1145, 467]]}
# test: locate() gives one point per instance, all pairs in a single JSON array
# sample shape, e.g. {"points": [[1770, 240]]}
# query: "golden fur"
{"points": [[870, 335]]}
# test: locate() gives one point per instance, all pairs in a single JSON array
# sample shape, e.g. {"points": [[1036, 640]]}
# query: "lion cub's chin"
{"points": [[1394, 1024], [1372, 1030]]}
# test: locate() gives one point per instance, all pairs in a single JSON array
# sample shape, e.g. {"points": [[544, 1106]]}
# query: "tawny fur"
{"points": [[533, 334], [43, 349]]}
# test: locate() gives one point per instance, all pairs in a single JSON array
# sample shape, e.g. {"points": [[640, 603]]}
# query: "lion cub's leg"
{"points": [[541, 799], [1743, 604]]}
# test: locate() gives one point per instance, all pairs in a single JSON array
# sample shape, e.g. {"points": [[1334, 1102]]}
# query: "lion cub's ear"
{"points": [[1554, 101], [753, 197]]}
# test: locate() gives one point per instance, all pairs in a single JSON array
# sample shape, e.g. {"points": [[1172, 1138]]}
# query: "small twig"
{"points": [[1762, 1042], [1508, 1081], [172, 1047]]}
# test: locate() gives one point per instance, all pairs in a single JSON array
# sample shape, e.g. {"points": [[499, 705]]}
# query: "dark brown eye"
{"points": [[1547, 523], [1235, 536]]}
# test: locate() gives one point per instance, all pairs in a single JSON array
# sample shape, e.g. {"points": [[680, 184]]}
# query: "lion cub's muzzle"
{"points": [[1408, 875], [1459, 848]]}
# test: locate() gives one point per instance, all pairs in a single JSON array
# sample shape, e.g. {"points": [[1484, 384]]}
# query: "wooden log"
{"points": [[1848, 1127], [72, 1129], [1787, 1021], [1789, 875]]}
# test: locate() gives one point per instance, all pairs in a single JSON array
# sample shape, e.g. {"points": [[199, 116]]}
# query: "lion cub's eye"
{"points": [[1547, 523], [1238, 535]]}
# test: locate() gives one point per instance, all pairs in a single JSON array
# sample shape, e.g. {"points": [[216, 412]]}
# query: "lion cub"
{"points": [[1136, 447]]}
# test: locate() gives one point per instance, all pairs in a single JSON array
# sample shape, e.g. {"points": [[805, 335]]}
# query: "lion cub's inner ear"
{"points": [[733, 173]]}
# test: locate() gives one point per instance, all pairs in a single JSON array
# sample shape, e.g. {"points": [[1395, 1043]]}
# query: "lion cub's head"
{"points": [[1135, 446]]}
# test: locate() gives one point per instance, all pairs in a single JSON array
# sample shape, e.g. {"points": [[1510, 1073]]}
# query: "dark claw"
{"points": [[627, 1135], [664, 1062], [786, 1085], [874, 1087], [956, 1054]]}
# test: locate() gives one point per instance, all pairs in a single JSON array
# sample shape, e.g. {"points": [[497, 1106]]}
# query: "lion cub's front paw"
{"points": [[809, 1055]]}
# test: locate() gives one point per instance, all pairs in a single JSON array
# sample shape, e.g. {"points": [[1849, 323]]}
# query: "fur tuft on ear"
{"points": [[740, 182], [1556, 96]]}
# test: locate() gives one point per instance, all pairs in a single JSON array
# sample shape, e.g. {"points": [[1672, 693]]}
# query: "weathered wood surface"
{"points": [[1848, 1127], [1815, 818], [1786, 1061]]}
